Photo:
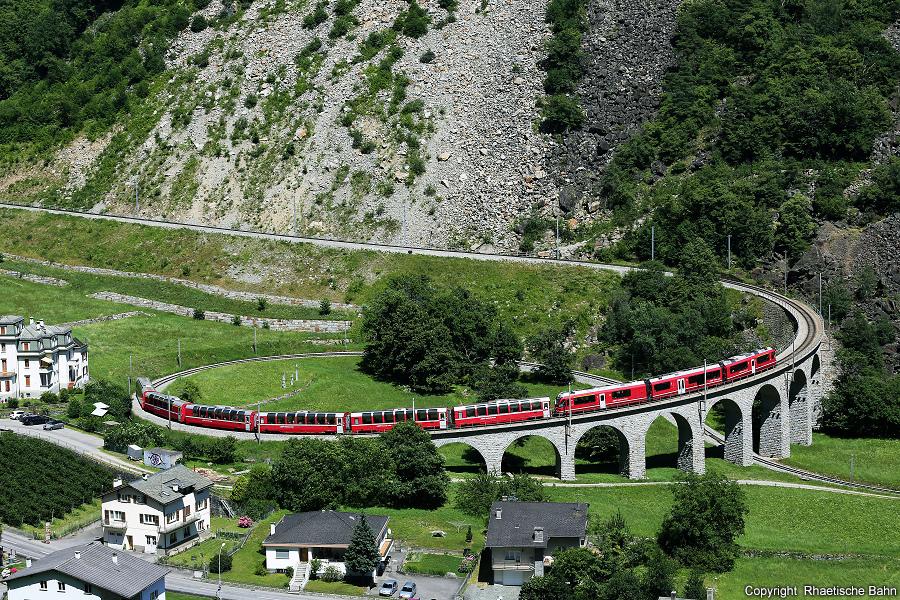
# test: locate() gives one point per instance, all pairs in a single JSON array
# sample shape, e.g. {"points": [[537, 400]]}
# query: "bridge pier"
{"points": [[691, 450], [800, 401]]}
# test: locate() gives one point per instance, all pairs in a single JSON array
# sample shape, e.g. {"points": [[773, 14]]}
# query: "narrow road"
{"points": [[77, 441]]}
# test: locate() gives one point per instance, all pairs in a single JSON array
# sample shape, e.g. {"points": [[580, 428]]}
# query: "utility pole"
{"points": [[852, 461], [130, 371], [785, 273], [254, 339], [653, 242], [137, 206], [729, 251], [179, 352], [557, 237], [820, 293]]}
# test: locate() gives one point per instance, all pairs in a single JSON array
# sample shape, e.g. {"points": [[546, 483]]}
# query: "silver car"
{"points": [[53, 424], [388, 587], [408, 590]]}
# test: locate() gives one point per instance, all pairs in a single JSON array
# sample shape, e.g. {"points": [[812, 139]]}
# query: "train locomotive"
{"points": [[480, 414]]}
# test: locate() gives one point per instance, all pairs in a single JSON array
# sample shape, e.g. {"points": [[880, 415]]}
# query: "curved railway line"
{"points": [[808, 324]]}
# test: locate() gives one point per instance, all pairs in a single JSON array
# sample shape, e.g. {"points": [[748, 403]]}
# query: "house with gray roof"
{"points": [[298, 539], [163, 513], [36, 358], [89, 572], [523, 536]]}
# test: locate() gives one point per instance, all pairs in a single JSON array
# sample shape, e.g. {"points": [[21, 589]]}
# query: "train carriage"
{"points": [[220, 417], [168, 407], [501, 411], [610, 396], [304, 422], [382, 420]]}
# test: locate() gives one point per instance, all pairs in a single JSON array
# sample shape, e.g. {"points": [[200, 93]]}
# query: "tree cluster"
{"points": [[796, 92], [400, 468], [57, 480], [564, 65], [474, 496], [865, 400], [220, 450], [429, 338], [658, 324]]}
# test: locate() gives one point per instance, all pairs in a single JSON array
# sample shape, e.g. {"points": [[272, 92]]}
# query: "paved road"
{"points": [[78, 441]]}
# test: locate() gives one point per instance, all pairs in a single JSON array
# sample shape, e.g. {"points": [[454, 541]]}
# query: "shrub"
{"points": [[12, 403], [289, 572], [261, 570], [413, 22], [561, 112], [427, 57], [315, 566], [199, 314], [250, 101], [325, 307], [332, 574], [199, 23], [236, 320], [316, 17], [214, 563], [261, 304]]}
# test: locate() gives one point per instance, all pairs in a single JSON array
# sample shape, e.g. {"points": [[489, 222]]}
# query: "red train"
{"points": [[472, 415]]}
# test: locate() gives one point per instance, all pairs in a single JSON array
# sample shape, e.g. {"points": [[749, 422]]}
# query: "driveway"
{"points": [[427, 587]]}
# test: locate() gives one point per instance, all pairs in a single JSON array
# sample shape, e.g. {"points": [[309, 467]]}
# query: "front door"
{"points": [[129, 542], [304, 555]]}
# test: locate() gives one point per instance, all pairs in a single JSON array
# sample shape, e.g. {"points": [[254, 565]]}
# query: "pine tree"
{"points": [[362, 553]]}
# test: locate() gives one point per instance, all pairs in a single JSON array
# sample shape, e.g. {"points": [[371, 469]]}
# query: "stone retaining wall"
{"points": [[115, 317], [35, 278], [306, 325], [203, 287]]}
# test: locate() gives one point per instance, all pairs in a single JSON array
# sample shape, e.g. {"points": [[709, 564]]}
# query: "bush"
{"points": [[315, 566], [226, 562], [413, 22], [427, 57], [236, 320], [199, 23], [560, 113], [12, 403], [261, 304], [261, 570], [316, 17], [332, 574], [325, 307], [199, 314]]}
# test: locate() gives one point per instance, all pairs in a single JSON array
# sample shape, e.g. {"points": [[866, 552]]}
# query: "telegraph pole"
{"points": [[653, 242], [820, 293], [557, 237], [729, 251], [179, 352]]}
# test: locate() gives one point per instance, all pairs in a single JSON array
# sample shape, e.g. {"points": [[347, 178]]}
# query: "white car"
{"points": [[17, 414]]}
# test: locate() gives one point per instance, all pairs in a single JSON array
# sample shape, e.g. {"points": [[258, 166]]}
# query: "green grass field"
{"points": [[780, 519], [875, 461], [432, 564], [341, 588], [251, 555], [76, 519], [529, 295], [323, 384]]}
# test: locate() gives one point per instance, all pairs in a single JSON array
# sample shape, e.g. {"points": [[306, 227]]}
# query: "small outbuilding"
{"points": [[162, 458]]}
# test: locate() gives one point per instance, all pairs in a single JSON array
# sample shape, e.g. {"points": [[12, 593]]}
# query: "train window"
{"points": [[320, 418], [764, 358], [204, 412], [582, 400], [432, 414], [739, 367], [492, 409], [482, 410], [421, 415], [367, 418], [663, 385], [714, 374], [195, 410], [410, 416], [378, 417], [330, 419], [470, 411], [388, 417], [696, 379], [617, 394]]}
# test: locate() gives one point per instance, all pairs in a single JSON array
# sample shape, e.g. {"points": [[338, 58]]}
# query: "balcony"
{"points": [[178, 523], [513, 565], [115, 524]]}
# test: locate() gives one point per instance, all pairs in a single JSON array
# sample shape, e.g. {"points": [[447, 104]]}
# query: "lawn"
{"points": [[248, 559], [431, 564], [780, 519], [334, 383], [875, 461], [200, 555], [151, 342], [76, 519], [334, 587], [781, 571]]}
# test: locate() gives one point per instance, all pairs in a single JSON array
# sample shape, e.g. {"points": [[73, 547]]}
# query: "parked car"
{"points": [[53, 424], [16, 414], [408, 590], [34, 419], [388, 587], [382, 565]]}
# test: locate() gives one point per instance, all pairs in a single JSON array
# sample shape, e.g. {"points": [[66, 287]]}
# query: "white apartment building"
{"points": [[37, 358], [89, 572], [165, 512]]}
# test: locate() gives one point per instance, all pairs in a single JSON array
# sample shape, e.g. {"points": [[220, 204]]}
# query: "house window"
{"points": [[173, 538], [201, 526], [514, 555], [43, 586], [60, 586], [150, 540], [149, 519], [27, 362], [28, 381], [202, 504], [282, 554], [26, 347], [172, 517], [154, 594], [88, 589], [7, 385]]}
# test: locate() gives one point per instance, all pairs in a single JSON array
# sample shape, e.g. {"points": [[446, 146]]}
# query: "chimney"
{"points": [[674, 595], [41, 324], [175, 488], [538, 534], [498, 513], [27, 563], [115, 558], [710, 594], [272, 529], [78, 554], [117, 482]]}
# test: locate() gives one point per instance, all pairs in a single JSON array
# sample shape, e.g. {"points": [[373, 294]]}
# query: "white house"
{"points": [[37, 358], [300, 538], [165, 512], [524, 536], [90, 572]]}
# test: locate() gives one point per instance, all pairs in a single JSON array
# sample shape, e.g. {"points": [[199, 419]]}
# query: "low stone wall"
{"points": [[203, 287], [35, 278], [306, 325], [115, 317]]}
